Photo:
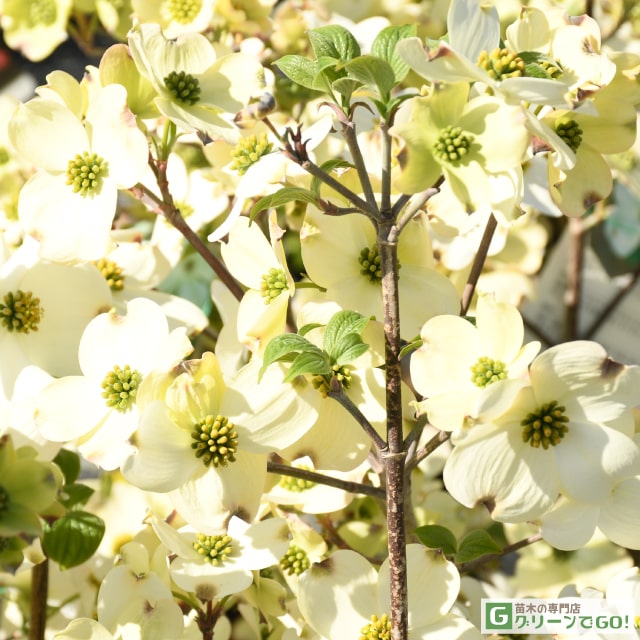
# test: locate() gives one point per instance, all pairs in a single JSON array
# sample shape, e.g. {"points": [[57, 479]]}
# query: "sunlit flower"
{"points": [[98, 409], [197, 90], [69, 205], [219, 565], [567, 432], [570, 524], [27, 487], [205, 440], [35, 28], [44, 309], [459, 358], [261, 266], [473, 53], [174, 17], [465, 140], [340, 254], [134, 269], [133, 595], [345, 597], [578, 174]]}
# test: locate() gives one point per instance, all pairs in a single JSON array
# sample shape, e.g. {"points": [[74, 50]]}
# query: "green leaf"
{"points": [[302, 331], [299, 69], [69, 463], [345, 86], [435, 536], [351, 351], [476, 544], [538, 65], [334, 41], [281, 197], [373, 72], [341, 324], [314, 362], [73, 539], [281, 346], [326, 73], [412, 346], [73, 495], [328, 167], [384, 47]]}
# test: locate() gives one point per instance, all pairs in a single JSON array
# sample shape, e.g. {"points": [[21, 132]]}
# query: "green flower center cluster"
{"points": [[112, 273], [295, 560], [42, 12], [4, 156], [85, 173], [545, 426], [214, 441], [488, 370], [5, 499], [20, 312], [551, 68], [248, 151], [323, 383], [297, 485], [569, 130], [452, 145], [377, 629], [183, 87], [501, 63], [369, 260], [274, 282], [184, 11], [213, 549], [120, 387]]}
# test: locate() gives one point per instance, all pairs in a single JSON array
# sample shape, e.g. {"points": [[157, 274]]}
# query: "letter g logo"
{"points": [[498, 616]]}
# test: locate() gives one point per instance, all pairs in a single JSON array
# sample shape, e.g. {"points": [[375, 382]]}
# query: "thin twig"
{"points": [[440, 438], [415, 204], [399, 204], [337, 393], [167, 208], [39, 596], [320, 478], [573, 292], [611, 306], [349, 133], [296, 151], [385, 189], [478, 264]]}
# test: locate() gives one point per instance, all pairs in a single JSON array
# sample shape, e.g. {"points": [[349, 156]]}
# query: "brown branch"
{"points": [[394, 456], [573, 292], [478, 264], [337, 393], [39, 596], [611, 306], [319, 478], [296, 151], [440, 438], [165, 206]]}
